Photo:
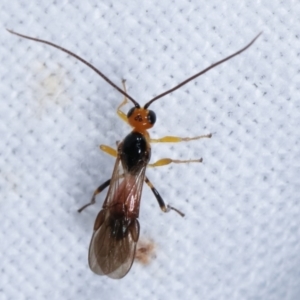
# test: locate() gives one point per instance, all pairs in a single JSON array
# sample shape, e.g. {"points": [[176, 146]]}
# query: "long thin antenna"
{"points": [[82, 60], [200, 73]]}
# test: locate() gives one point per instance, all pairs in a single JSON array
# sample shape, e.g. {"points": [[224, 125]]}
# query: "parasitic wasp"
{"points": [[116, 229]]}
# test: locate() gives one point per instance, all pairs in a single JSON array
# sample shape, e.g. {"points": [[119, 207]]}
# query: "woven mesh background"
{"points": [[240, 236]]}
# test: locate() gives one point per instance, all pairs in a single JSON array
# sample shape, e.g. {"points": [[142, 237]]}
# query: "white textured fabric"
{"points": [[240, 236]]}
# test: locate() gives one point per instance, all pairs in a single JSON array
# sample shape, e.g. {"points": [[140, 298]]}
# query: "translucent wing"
{"points": [[111, 256], [116, 229]]}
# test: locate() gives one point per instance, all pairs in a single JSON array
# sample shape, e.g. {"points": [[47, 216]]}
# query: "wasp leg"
{"points": [[165, 208], [120, 113], [176, 139], [109, 150], [167, 161], [112, 152], [97, 191]]}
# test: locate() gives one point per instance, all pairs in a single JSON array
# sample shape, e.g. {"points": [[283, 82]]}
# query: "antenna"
{"points": [[82, 60], [200, 73]]}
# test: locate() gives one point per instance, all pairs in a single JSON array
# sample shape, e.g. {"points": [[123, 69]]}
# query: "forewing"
{"points": [[110, 256], [112, 250], [125, 187]]}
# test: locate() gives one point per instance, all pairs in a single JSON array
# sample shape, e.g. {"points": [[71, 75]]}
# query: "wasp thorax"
{"points": [[141, 118]]}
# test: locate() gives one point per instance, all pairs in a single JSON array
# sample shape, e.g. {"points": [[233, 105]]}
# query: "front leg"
{"points": [[120, 113], [176, 139]]}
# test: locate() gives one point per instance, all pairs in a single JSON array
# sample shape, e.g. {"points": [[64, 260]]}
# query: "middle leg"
{"points": [[176, 139], [167, 161]]}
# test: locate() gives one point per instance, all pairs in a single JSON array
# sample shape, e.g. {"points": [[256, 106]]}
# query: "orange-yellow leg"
{"points": [[120, 113], [176, 139], [162, 162], [109, 150], [167, 161], [165, 208]]}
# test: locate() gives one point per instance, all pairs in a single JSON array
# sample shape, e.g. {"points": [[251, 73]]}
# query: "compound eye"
{"points": [[130, 112], [151, 117]]}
